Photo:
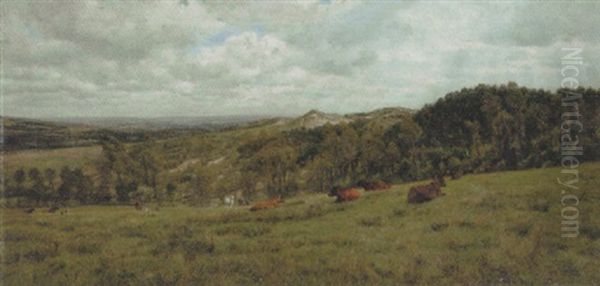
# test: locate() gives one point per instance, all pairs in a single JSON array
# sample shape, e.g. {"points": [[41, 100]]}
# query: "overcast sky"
{"points": [[160, 58]]}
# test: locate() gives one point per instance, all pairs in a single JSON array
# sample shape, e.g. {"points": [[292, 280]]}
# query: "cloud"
{"points": [[158, 58]]}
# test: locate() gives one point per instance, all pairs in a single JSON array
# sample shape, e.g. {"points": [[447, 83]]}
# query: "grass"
{"points": [[51, 158], [500, 228]]}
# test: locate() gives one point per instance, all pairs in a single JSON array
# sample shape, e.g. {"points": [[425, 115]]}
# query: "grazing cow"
{"points": [[138, 206], [267, 204], [53, 209], [229, 200], [344, 195], [30, 210], [374, 185], [424, 193]]}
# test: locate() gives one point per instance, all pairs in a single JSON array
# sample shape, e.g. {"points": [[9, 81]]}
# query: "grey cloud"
{"points": [[157, 58], [542, 24]]}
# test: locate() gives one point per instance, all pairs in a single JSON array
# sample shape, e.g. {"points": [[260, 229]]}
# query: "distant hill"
{"points": [[315, 118], [24, 133], [176, 122]]}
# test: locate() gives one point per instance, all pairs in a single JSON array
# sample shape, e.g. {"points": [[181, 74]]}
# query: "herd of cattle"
{"points": [[416, 195]]}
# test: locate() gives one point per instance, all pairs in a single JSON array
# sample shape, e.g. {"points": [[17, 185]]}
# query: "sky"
{"points": [[204, 58]]}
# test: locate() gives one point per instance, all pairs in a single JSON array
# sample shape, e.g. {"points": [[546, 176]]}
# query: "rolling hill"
{"points": [[499, 228]]}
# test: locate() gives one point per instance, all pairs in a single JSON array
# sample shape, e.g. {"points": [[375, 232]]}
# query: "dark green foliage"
{"points": [[124, 190], [75, 185], [481, 129], [171, 189]]}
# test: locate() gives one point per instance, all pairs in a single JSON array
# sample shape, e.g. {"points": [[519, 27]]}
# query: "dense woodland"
{"points": [[481, 129]]}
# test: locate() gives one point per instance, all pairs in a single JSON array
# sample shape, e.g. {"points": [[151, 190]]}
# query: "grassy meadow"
{"points": [[497, 228], [51, 158]]}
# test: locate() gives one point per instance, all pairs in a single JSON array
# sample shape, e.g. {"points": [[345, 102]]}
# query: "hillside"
{"points": [[52, 133], [474, 130], [500, 228], [315, 118]]}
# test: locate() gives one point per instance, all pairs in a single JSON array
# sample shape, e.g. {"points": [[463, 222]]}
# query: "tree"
{"points": [[83, 186], [455, 167], [322, 178], [50, 176], [505, 132], [124, 190], [146, 164], [66, 186], [37, 191], [19, 177], [171, 189], [276, 162]]}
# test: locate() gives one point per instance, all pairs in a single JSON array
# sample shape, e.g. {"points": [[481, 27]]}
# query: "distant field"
{"points": [[500, 228], [53, 158]]}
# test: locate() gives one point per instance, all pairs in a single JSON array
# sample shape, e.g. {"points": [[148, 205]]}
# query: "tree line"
{"points": [[481, 129]]}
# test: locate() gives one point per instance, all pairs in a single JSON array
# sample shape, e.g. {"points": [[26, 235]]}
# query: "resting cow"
{"points": [[424, 193], [267, 204], [344, 195], [229, 200]]}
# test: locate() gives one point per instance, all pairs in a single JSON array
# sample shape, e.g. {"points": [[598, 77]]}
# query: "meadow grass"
{"points": [[498, 228], [51, 158]]}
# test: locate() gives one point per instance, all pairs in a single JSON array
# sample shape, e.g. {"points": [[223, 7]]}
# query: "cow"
{"points": [[53, 209], [138, 206], [29, 210], [229, 200], [424, 193], [344, 195], [374, 185], [267, 204]]}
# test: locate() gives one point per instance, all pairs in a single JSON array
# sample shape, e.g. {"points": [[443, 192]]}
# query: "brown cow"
{"points": [[344, 195], [267, 204], [376, 185], [424, 193], [52, 210], [30, 210], [138, 206]]}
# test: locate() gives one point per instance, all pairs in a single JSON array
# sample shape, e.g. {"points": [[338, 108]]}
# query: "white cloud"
{"points": [[160, 58]]}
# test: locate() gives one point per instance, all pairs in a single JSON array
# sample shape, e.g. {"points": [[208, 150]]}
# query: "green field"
{"points": [[51, 158], [498, 228]]}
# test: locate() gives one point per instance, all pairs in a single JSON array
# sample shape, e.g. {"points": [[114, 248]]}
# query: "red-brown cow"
{"points": [[267, 204], [424, 193], [344, 195]]}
